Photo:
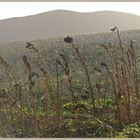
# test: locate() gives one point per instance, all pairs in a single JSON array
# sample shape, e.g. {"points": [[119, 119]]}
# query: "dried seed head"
{"points": [[113, 29], [103, 64], [29, 45], [68, 39]]}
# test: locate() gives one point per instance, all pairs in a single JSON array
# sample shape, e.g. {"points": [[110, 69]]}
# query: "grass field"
{"points": [[80, 86]]}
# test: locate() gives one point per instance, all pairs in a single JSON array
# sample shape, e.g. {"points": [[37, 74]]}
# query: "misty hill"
{"points": [[59, 23]]}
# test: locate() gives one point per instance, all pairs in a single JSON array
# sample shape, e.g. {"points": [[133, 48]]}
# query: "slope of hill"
{"points": [[59, 23], [89, 44]]}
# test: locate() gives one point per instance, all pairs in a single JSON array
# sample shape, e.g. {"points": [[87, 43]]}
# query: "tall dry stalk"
{"points": [[14, 84], [46, 80], [111, 74], [132, 52], [58, 101], [65, 66], [31, 84], [82, 61], [120, 74], [15, 95], [125, 76]]}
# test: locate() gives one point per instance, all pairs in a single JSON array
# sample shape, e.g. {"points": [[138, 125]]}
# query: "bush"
{"points": [[130, 131]]}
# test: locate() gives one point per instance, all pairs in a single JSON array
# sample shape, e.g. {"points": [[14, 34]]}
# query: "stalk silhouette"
{"points": [[65, 66], [82, 61], [31, 84], [47, 79], [58, 100]]}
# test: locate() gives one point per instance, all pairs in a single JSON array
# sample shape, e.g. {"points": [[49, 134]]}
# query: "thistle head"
{"points": [[113, 29], [29, 45], [68, 39]]}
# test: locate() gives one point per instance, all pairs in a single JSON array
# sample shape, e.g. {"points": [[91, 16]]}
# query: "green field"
{"points": [[82, 86]]}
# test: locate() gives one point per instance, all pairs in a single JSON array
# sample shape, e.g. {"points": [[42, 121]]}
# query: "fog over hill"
{"points": [[60, 23]]}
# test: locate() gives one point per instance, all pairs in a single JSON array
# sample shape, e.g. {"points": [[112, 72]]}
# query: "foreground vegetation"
{"points": [[71, 90]]}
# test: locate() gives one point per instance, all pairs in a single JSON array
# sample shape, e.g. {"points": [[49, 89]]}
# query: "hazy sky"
{"points": [[18, 9]]}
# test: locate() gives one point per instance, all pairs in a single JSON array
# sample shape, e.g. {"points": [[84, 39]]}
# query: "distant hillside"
{"points": [[60, 23]]}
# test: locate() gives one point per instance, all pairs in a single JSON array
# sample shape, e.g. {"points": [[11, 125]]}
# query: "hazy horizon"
{"points": [[60, 23]]}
